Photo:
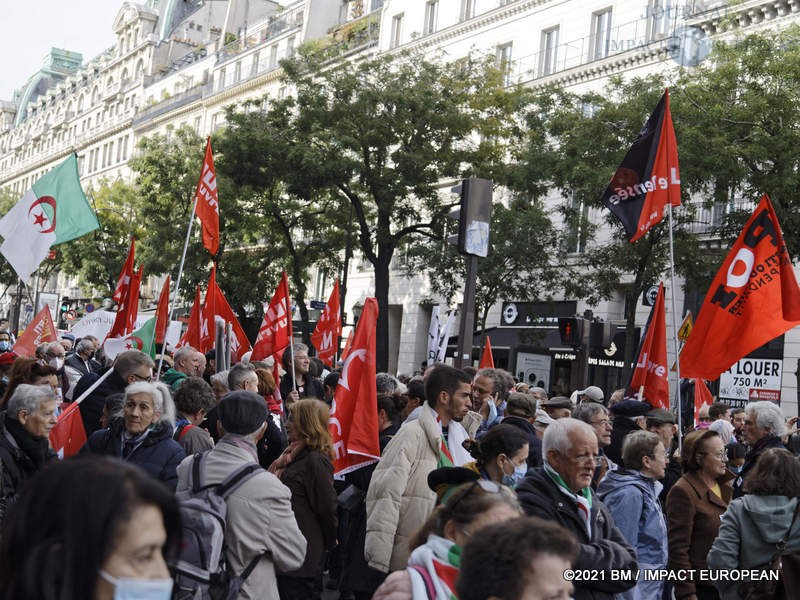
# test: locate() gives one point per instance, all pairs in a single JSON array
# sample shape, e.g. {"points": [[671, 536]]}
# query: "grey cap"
{"points": [[242, 412], [521, 404], [593, 394], [557, 402], [660, 416]]}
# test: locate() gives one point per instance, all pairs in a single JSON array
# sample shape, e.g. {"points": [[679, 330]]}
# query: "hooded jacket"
{"points": [[750, 529], [605, 549]]}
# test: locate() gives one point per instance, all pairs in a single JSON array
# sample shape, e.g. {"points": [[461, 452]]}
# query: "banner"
{"points": [[754, 298], [329, 327], [98, 323], [648, 179], [354, 419], [439, 335], [651, 366]]}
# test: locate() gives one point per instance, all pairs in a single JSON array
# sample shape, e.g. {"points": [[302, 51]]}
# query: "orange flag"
{"points": [[207, 200], [487, 360], [192, 335], [354, 420], [68, 434], [162, 313], [702, 397], [126, 275], [40, 330], [275, 332], [329, 327], [651, 366], [754, 298]]}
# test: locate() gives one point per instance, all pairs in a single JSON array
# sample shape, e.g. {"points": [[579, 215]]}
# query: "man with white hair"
{"points": [[560, 492], [763, 427]]}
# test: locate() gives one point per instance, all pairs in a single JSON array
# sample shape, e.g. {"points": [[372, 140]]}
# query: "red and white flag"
{"points": [[651, 372], [754, 298], [126, 275], [487, 359], [354, 421], [128, 310], [329, 327], [217, 306], [39, 331], [192, 335], [207, 200], [702, 397], [162, 313], [68, 435], [275, 332]]}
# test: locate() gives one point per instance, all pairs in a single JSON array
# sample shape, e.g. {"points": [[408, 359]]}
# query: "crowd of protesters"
{"points": [[486, 488]]}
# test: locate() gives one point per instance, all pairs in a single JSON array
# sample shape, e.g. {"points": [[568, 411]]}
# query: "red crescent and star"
{"points": [[41, 218]]}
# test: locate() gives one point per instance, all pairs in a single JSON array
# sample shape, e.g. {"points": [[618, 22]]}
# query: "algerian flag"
{"points": [[141, 339], [53, 211]]}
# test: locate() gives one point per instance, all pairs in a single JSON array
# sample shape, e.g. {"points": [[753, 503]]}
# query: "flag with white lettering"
{"points": [[648, 179], [353, 422], [125, 276], [39, 331], [207, 199], [329, 327], [215, 306], [275, 332], [128, 310], [650, 374], [754, 298]]}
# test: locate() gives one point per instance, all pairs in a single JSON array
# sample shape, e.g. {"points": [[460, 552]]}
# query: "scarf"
{"points": [[435, 565], [286, 458], [34, 448], [452, 452], [131, 442], [582, 500], [240, 442]]}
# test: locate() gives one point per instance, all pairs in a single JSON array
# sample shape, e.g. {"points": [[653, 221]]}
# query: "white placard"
{"points": [[99, 322], [752, 379]]}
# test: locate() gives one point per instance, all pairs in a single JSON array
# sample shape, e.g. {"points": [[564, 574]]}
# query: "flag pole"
{"points": [[174, 300], [675, 331]]}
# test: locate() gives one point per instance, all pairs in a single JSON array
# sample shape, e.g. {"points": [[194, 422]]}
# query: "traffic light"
{"points": [[64, 305], [474, 216], [571, 330]]}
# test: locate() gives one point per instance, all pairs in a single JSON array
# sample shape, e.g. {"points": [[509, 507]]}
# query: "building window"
{"points": [[662, 18], [504, 61], [197, 123], [431, 16], [577, 218], [273, 56], [601, 33], [221, 79], [397, 30], [548, 60], [290, 47], [343, 6], [237, 72], [467, 9]]}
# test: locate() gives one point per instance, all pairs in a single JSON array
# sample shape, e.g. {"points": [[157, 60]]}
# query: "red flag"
{"points": [[651, 367], [487, 359], [217, 306], [702, 397], [207, 200], [648, 179], [40, 330], [275, 332], [128, 310], [329, 327], [354, 419], [68, 435], [162, 313], [125, 276], [192, 335], [347, 345], [754, 298]]}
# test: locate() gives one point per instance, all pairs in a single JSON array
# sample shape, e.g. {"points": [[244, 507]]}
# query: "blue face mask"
{"points": [[139, 589], [516, 477], [5, 346]]}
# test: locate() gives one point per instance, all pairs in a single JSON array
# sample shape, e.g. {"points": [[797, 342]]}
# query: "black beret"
{"points": [[631, 408], [446, 479], [242, 412]]}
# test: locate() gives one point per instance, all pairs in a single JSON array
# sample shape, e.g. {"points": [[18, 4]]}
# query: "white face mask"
{"points": [[56, 363], [139, 589]]}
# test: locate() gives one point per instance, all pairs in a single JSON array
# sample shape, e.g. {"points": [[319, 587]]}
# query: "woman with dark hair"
{"points": [[694, 507], [306, 468], [30, 371], [436, 546], [501, 455], [390, 407], [90, 528], [756, 522]]}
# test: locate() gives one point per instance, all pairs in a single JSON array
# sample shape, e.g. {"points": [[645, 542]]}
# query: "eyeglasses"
{"points": [[604, 422], [138, 377], [490, 487], [704, 419], [595, 461], [720, 455]]}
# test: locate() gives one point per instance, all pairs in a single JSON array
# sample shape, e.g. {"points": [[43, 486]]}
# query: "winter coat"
{"points": [[534, 443], [158, 454], [750, 528], [750, 459], [173, 378], [399, 499], [632, 499], [92, 406], [605, 549], [310, 479], [693, 518], [311, 389], [259, 521]]}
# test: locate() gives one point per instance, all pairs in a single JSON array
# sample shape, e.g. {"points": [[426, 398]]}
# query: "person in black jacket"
{"points": [[763, 428], [129, 367], [629, 415], [143, 436], [521, 413], [560, 492], [302, 384], [24, 430]]}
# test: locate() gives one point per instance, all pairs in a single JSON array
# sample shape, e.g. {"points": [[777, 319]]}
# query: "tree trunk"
{"points": [[631, 343], [381, 267]]}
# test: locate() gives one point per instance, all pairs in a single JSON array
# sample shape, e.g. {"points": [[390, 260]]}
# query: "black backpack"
{"points": [[202, 571]]}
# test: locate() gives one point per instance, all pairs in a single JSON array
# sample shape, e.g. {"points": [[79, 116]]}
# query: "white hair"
{"points": [[28, 398], [162, 398], [768, 415], [556, 436]]}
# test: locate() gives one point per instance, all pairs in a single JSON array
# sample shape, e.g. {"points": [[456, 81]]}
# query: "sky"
{"points": [[31, 27]]}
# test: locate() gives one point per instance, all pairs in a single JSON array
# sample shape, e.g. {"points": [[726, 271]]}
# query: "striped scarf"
{"points": [[583, 500], [433, 568]]}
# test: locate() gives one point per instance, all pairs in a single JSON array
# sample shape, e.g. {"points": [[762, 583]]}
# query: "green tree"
{"points": [[381, 134]]}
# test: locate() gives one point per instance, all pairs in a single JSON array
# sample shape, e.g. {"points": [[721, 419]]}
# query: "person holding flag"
{"points": [[297, 383]]}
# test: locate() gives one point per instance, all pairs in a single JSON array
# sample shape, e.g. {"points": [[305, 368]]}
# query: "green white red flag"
{"points": [[53, 211], [142, 339]]}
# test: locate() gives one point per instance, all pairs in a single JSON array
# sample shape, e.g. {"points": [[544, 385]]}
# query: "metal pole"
{"points": [[675, 333], [466, 326]]}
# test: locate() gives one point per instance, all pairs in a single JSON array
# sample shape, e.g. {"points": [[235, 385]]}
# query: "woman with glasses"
{"points": [[694, 507], [436, 547], [631, 495], [143, 435]]}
